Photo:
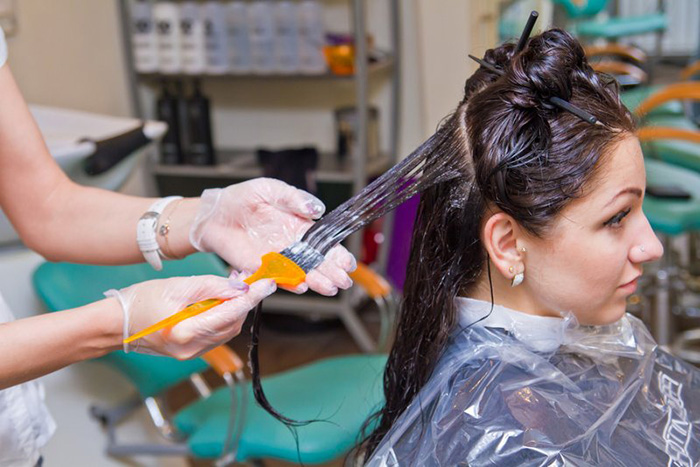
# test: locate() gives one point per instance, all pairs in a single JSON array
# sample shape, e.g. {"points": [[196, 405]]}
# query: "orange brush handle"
{"points": [[275, 266]]}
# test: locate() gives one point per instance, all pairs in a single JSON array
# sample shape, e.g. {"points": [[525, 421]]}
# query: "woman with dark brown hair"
{"points": [[513, 346]]}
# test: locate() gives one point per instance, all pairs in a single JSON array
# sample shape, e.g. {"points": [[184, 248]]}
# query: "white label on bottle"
{"points": [[143, 39]]}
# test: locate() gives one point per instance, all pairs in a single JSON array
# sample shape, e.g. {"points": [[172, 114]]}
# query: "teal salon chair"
{"points": [[341, 391], [669, 218], [665, 102], [583, 22], [670, 135], [582, 16], [671, 147]]}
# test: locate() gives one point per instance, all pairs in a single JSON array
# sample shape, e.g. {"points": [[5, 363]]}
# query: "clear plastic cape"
{"points": [[521, 390]]}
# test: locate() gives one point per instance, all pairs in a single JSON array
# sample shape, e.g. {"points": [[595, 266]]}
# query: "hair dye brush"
{"points": [[282, 267]]}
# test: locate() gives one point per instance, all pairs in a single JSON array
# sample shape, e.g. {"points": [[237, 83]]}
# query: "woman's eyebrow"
{"points": [[632, 190]]}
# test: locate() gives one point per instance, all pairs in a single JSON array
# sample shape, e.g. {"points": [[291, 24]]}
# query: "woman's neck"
{"points": [[516, 298]]}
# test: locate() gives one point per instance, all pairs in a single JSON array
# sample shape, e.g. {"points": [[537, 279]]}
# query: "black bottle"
{"points": [[167, 111], [200, 149], [183, 119]]}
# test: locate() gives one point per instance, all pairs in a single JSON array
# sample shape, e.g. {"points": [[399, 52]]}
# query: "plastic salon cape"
{"points": [[523, 390]]}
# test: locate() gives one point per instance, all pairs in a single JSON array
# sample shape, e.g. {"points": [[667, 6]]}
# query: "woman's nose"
{"points": [[647, 246]]}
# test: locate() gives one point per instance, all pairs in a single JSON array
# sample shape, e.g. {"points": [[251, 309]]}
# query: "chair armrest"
{"points": [[617, 50], [678, 91], [223, 360], [652, 133], [372, 283], [690, 71], [614, 67]]}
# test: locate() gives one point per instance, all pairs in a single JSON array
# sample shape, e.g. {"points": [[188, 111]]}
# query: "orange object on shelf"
{"points": [[340, 58]]}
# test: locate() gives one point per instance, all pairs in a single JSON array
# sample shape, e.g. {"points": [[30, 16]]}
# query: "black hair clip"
{"points": [[561, 103]]}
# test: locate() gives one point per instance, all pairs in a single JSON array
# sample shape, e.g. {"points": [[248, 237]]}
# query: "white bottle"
{"points": [[262, 37], [194, 55], [238, 37], [286, 37], [143, 37], [216, 36], [311, 38], [166, 16]]}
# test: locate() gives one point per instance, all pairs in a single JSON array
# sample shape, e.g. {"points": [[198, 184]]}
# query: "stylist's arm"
{"points": [[39, 345], [64, 221]]}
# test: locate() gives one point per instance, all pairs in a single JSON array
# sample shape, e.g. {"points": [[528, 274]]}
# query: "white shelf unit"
{"points": [[239, 164]]}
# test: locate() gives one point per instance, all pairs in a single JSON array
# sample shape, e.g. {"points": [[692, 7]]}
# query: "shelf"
{"points": [[239, 163], [385, 64]]}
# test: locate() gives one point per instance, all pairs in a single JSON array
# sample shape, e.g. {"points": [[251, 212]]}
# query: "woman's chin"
{"points": [[609, 315]]}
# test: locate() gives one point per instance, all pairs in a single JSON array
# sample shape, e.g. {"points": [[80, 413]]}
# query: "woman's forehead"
{"points": [[622, 168], [622, 171]]}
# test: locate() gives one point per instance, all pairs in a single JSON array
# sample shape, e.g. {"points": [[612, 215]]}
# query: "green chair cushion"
{"points": [[623, 26], [341, 391], [633, 97], [674, 121], [66, 285], [577, 9], [672, 217], [681, 153]]}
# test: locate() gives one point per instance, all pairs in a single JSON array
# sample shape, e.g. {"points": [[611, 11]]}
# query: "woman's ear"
{"points": [[501, 235]]}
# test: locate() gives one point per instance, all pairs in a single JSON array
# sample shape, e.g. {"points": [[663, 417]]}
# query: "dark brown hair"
{"points": [[518, 153]]}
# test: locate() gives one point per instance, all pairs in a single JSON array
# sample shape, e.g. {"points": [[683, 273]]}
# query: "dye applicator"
{"points": [[278, 266]]}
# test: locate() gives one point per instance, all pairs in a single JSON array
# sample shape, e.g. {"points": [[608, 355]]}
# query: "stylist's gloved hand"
{"points": [[148, 302], [242, 222]]}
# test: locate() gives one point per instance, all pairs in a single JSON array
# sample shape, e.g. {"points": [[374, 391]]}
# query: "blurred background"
{"points": [[164, 97]]}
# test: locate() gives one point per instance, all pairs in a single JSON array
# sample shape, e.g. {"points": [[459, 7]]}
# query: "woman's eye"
{"points": [[615, 220]]}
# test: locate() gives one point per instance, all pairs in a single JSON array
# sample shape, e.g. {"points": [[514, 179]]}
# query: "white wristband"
{"points": [[146, 232], [125, 328]]}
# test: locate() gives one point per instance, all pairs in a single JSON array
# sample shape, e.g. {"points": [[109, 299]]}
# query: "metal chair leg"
{"points": [[161, 421], [357, 330], [662, 324], [109, 418]]}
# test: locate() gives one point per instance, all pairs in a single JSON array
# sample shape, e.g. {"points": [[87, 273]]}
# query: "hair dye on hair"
{"points": [[412, 175]]}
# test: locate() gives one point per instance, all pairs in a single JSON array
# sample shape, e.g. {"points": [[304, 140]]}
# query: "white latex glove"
{"points": [[242, 222], [148, 302]]}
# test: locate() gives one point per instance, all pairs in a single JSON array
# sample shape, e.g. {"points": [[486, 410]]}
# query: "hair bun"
{"points": [[546, 68], [499, 57]]}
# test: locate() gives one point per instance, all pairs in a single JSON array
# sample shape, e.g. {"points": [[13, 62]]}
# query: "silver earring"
{"points": [[523, 249], [517, 279]]}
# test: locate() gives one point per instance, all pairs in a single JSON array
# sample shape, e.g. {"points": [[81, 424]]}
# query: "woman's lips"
{"points": [[631, 286]]}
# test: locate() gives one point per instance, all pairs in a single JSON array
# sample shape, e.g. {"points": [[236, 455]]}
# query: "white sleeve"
{"points": [[3, 48]]}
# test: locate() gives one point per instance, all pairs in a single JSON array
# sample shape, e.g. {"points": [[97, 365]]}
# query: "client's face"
{"points": [[590, 262]]}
